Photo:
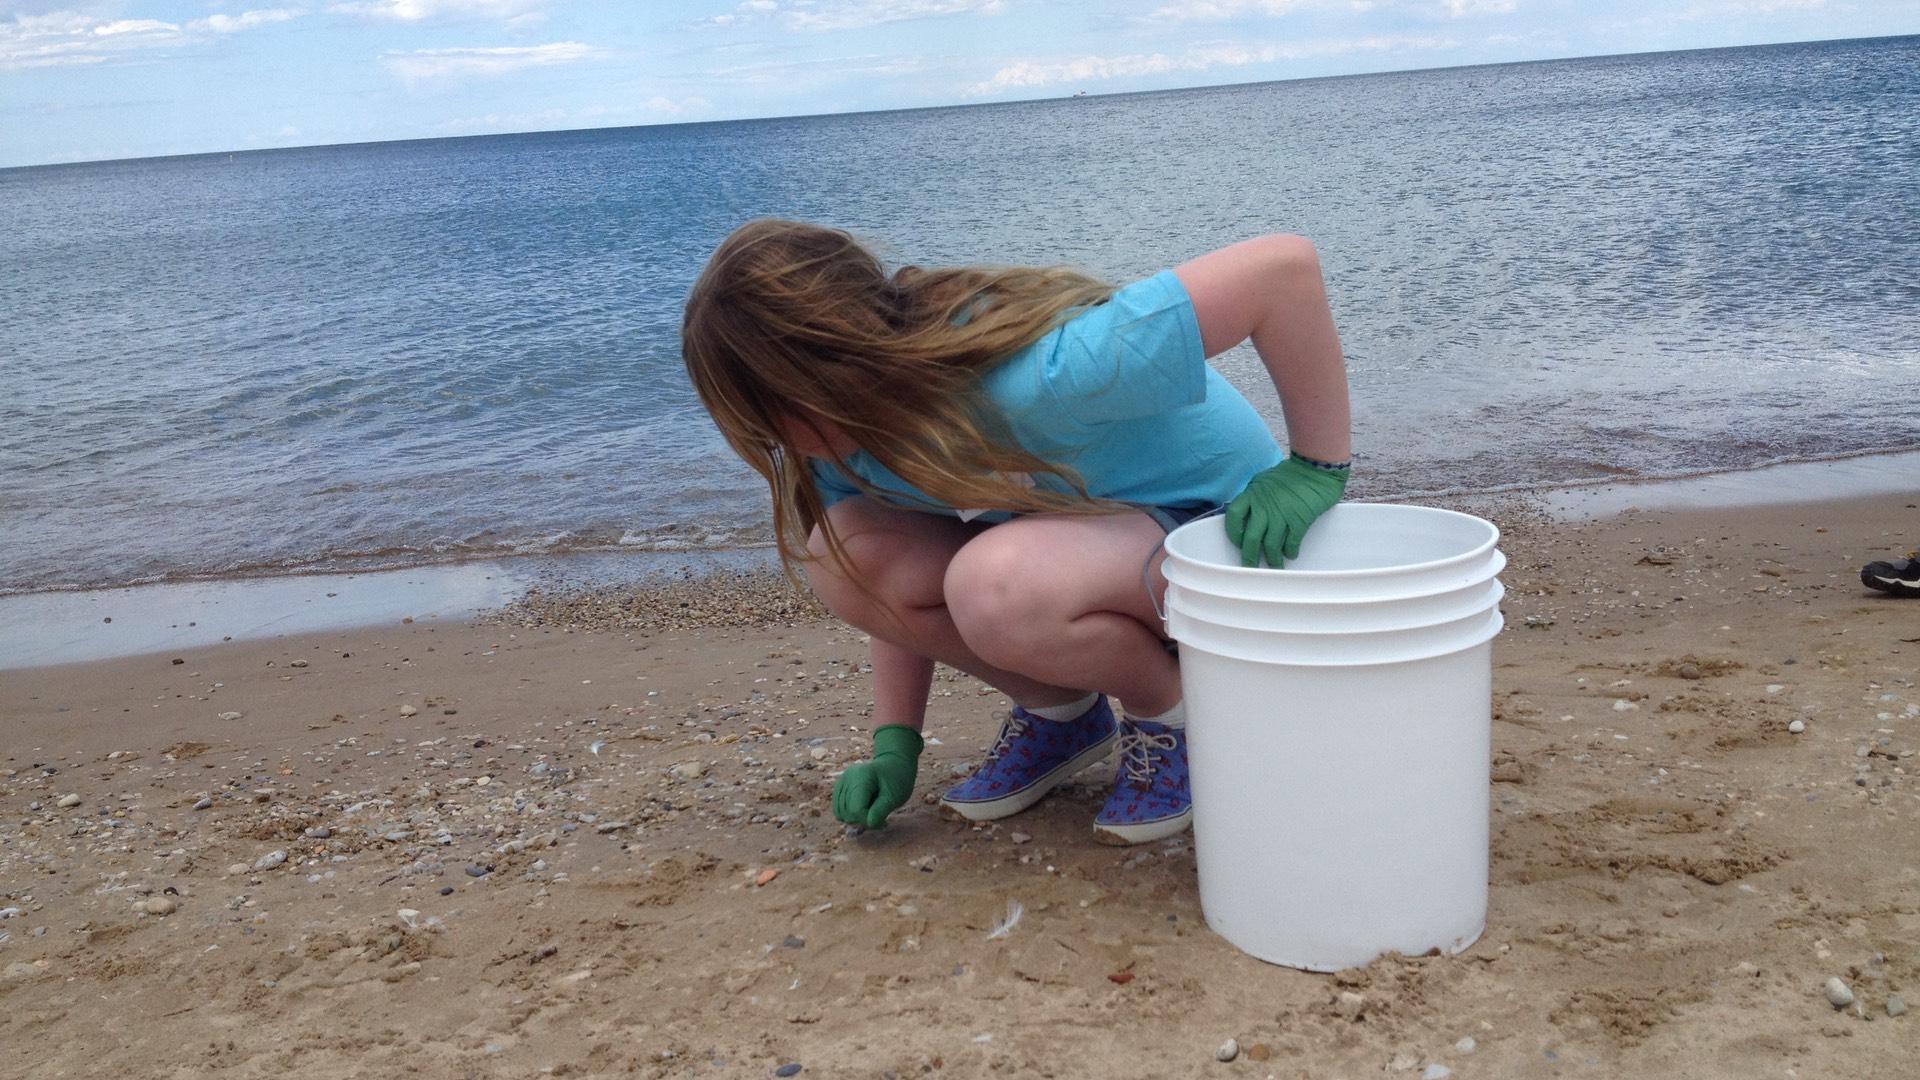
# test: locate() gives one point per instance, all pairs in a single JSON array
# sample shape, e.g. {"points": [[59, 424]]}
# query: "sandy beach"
{"points": [[592, 838]]}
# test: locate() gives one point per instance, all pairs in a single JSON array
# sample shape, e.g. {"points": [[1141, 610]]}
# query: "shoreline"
{"points": [[70, 626], [595, 842]]}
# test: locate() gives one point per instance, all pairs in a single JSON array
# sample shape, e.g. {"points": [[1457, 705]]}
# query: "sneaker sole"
{"points": [[1144, 833], [1009, 805], [1891, 585]]}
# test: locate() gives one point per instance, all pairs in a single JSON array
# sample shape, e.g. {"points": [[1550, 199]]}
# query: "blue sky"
{"points": [[132, 78]]}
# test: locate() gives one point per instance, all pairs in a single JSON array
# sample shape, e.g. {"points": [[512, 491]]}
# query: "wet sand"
{"points": [[592, 838]]}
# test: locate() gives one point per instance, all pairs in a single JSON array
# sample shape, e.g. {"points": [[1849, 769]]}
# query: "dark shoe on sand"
{"points": [[1895, 580]]}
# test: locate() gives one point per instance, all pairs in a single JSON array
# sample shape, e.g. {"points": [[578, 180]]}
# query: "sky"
{"points": [[83, 81]]}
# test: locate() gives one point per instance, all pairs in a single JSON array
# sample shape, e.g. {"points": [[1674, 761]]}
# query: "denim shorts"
{"points": [[1172, 517]]}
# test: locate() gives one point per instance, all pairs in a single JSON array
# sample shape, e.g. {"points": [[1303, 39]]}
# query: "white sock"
{"points": [[1072, 710], [1175, 717]]}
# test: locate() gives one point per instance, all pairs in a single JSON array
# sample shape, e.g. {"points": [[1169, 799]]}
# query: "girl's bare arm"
{"points": [[1269, 289]]}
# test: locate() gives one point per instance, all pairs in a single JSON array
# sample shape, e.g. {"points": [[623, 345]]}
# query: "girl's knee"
{"points": [[863, 585], [1001, 602]]}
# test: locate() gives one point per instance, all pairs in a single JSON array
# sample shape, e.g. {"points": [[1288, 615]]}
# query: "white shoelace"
{"points": [[1012, 728], [1136, 759]]}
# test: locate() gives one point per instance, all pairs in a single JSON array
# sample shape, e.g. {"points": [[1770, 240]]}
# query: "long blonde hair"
{"points": [[797, 322]]}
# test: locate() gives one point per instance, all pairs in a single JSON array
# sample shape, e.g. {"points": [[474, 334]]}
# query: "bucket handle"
{"points": [[1146, 568]]}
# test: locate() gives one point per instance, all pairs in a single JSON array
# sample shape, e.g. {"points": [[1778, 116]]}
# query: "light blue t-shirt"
{"points": [[1122, 394]]}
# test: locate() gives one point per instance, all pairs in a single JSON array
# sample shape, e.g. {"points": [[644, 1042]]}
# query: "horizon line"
{"points": [[1074, 96]]}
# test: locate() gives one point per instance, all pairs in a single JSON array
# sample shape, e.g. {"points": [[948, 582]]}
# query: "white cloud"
{"points": [[1222, 10], [817, 15], [246, 20], [134, 26], [64, 38], [1083, 69], [1217, 10], [498, 60], [516, 12]]}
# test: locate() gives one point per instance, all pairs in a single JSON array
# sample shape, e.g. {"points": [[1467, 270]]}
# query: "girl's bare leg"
{"points": [[1058, 598], [1043, 608], [902, 557]]}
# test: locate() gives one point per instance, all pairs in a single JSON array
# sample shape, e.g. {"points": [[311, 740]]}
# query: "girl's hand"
{"points": [[1273, 513], [866, 793]]}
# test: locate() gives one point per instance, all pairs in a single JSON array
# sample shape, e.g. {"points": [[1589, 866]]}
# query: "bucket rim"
{"points": [[1175, 575], [1478, 551]]}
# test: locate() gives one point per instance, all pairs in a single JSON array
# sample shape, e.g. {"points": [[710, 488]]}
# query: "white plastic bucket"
{"points": [[1339, 713]]}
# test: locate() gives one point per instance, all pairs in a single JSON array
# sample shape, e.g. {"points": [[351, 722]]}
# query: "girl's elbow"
{"points": [[1291, 252]]}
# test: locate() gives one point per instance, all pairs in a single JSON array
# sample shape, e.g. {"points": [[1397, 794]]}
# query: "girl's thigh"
{"points": [[900, 556], [1062, 566]]}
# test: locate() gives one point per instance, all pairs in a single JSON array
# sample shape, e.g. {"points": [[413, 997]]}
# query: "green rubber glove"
{"points": [[866, 793], [1273, 513]]}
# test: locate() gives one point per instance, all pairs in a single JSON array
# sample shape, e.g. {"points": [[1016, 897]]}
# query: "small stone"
{"points": [[1896, 1005], [1774, 688], [298, 663], [319, 832], [236, 869], [177, 661], [270, 860], [1259, 1052], [204, 804], [1228, 1051], [446, 890], [1688, 671], [689, 770], [765, 876], [1466, 1045], [408, 710], [794, 943], [1436, 1072], [1021, 838], [1403, 1063], [478, 871], [483, 781], [818, 753], [1797, 726], [1350, 1004], [1747, 968], [1623, 705], [791, 1068], [161, 905], [1838, 994], [68, 800], [229, 716]]}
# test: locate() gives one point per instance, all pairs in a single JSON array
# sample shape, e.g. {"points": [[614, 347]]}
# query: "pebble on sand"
{"points": [[1436, 1072], [1896, 1005], [229, 716], [408, 710], [689, 770], [236, 869], [204, 804], [1838, 993], [1228, 1051], [69, 800], [270, 860], [161, 905], [792, 1068], [1797, 726], [765, 876]]}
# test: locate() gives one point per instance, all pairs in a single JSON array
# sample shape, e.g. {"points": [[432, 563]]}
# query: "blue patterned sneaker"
{"points": [[1031, 757], [1150, 799]]}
